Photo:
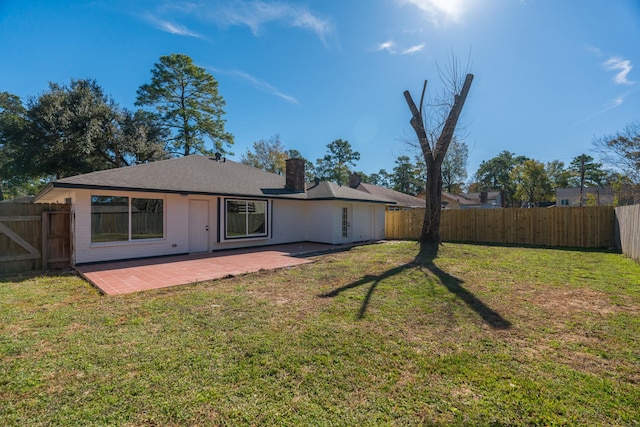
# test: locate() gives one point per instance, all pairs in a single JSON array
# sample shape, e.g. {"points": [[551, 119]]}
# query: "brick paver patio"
{"points": [[122, 277]]}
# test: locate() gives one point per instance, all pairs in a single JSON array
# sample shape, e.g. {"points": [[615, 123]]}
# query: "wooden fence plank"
{"points": [[19, 240], [23, 244], [586, 227], [627, 220]]}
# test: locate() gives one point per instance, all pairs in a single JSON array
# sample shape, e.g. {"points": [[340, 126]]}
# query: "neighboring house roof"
{"points": [[401, 199], [197, 174], [459, 198], [476, 197]]}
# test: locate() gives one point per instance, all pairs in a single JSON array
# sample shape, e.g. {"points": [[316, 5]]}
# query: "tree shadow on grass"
{"points": [[424, 260]]}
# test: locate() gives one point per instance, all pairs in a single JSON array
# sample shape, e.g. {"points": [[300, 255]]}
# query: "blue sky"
{"points": [[550, 75]]}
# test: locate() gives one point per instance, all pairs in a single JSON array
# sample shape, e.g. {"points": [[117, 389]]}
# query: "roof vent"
{"points": [[218, 156]]}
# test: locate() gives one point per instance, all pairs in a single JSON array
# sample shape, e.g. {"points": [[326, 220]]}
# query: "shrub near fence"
{"points": [[583, 227]]}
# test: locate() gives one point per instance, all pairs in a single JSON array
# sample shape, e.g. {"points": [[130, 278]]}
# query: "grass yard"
{"points": [[481, 335]]}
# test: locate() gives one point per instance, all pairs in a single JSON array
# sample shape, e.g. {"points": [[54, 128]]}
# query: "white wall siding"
{"points": [[289, 221], [362, 222], [175, 239], [320, 222], [380, 222]]}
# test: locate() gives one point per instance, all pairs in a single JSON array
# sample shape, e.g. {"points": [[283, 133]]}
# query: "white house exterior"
{"points": [[591, 196], [199, 204]]}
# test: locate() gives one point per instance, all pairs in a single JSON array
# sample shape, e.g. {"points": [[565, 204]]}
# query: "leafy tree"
{"points": [[454, 166], [625, 192], [186, 100], [338, 162], [474, 187], [76, 128], [623, 150], [12, 128], [495, 173], [70, 128], [269, 155], [586, 172], [18, 187], [407, 177], [532, 182], [381, 178], [558, 176], [143, 138]]}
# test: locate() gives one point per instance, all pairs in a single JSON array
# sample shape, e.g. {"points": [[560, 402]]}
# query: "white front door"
{"points": [[198, 225], [345, 224]]}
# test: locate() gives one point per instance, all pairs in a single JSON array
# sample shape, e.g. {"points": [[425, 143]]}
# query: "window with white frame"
{"points": [[121, 219], [245, 218]]}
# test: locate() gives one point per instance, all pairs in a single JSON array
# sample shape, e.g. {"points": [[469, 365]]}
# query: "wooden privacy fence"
{"points": [[34, 237], [582, 227], [628, 231]]}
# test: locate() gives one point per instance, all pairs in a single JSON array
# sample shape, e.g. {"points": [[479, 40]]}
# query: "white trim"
{"points": [[129, 222], [249, 237]]}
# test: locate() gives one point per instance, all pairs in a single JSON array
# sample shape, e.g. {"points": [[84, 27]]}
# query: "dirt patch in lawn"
{"points": [[567, 301]]}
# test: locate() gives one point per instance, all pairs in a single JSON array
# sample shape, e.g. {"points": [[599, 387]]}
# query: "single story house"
{"points": [[399, 201], [200, 204]]}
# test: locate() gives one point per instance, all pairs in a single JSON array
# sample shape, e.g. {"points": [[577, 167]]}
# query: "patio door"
{"points": [[345, 224], [198, 226]]}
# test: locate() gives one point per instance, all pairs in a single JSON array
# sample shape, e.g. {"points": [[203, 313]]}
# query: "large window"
{"points": [[117, 219], [245, 218]]}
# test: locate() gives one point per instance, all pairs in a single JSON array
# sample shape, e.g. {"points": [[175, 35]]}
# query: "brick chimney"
{"points": [[354, 180], [295, 175], [483, 197]]}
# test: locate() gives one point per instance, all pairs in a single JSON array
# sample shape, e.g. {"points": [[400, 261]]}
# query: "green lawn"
{"points": [[481, 335]]}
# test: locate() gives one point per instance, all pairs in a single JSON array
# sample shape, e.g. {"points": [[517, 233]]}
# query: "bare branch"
{"points": [[418, 127], [452, 120], [424, 89]]}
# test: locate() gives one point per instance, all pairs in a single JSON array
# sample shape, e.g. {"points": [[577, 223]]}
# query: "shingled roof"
{"points": [[400, 199], [203, 175]]}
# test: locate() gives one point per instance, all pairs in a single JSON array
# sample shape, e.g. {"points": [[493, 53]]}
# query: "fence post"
{"points": [[45, 243]]}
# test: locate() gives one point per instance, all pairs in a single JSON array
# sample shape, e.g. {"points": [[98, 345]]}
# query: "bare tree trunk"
{"points": [[433, 157]]}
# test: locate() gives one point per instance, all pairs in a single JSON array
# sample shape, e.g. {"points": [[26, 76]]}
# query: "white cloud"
{"points": [[413, 49], [614, 103], [171, 28], [594, 50], [390, 46], [617, 63], [261, 85], [439, 9], [256, 14], [305, 19]]}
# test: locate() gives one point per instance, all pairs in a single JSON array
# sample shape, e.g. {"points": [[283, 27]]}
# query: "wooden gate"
{"points": [[34, 237]]}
